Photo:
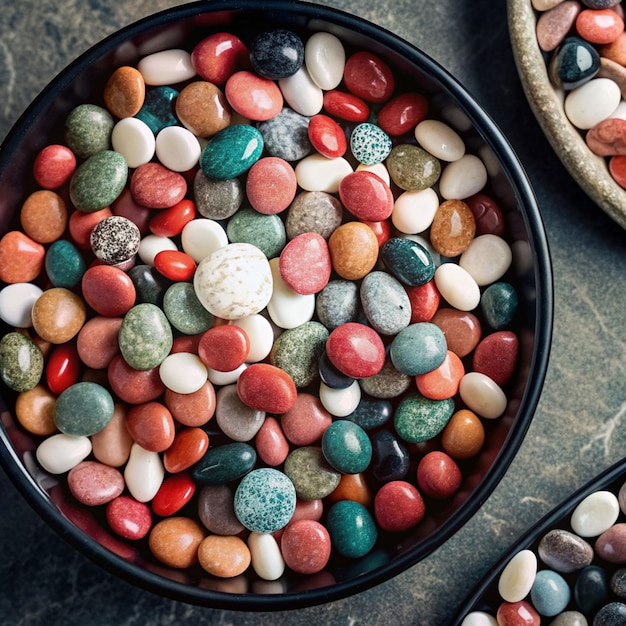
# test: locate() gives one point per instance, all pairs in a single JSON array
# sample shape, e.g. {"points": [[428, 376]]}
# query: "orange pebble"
{"points": [[21, 258], [224, 556], [58, 315], [44, 216], [453, 228], [616, 50], [443, 382], [599, 26], [352, 487], [353, 250], [617, 167], [175, 540], [125, 91], [463, 436], [34, 410]]}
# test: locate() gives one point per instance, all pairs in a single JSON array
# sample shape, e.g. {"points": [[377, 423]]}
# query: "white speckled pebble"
{"points": [[340, 402], [225, 378], [457, 286], [183, 372], [286, 308], [234, 281], [595, 514], [518, 576], [266, 558], [201, 237], [177, 148], [16, 304], [482, 395], [413, 211], [60, 453], [143, 473], [134, 140], [380, 169], [167, 67], [151, 245], [318, 173], [440, 140], [325, 59], [260, 334], [479, 618], [592, 102], [486, 259], [301, 93], [462, 178]]}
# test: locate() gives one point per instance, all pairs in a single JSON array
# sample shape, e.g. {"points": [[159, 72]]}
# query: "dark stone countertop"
{"points": [[579, 427]]}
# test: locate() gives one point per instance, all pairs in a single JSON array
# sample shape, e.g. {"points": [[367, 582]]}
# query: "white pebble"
{"points": [[440, 140], [225, 378], [301, 93], [592, 102], [177, 148], [319, 173], [340, 402], [486, 259], [144, 473], [183, 372], [266, 558], [60, 453], [260, 334], [457, 286], [151, 245], [325, 59], [518, 576], [201, 237], [482, 395], [380, 169], [479, 618], [16, 304], [286, 308], [134, 140], [595, 514], [462, 178], [413, 211], [167, 67]]}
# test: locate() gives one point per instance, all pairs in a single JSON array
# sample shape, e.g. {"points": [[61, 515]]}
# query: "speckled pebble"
{"points": [[419, 419], [347, 447], [266, 232], [409, 261], [21, 362], [115, 239], [385, 303], [98, 181], [337, 303], [369, 144], [217, 199], [352, 529], [564, 551], [313, 211], [310, 473], [83, 409], [231, 152], [184, 311], [64, 264], [88, 130], [412, 168], [277, 53], [388, 383], [286, 135]]}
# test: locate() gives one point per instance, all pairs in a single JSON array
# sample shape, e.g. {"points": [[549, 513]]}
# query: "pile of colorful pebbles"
{"points": [[260, 308], [572, 568]]}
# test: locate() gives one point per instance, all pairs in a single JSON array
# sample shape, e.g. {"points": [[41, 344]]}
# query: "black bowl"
{"points": [[83, 81]]}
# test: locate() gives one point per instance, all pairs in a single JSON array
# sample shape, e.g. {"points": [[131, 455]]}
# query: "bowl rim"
{"points": [[494, 138]]}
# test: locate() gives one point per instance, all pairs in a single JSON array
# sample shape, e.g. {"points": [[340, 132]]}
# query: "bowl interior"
{"points": [[83, 81]]}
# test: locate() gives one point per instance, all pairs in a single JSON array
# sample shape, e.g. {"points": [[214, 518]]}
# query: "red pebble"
{"points": [[617, 167], [175, 265], [403, 113], [188, 447], [487, 213], [108, 290], [305, 423], [21, 258], [271, 185], [129, 518], [305, 546], [151, 425], [424, 301], [270, 442], [97, 341], [253, 97], [305, 264], [125, 206], [224, 348], [356, 350], [62, 367], [217, 57], [366, 196], [520, 613], [369, 77], [438, 476], [461, 329], [157, 187], [398, 505], [327, 137], [496, 356], [442, 382], [81, 224], [53, 166], [131, 385], [265, 387], [383, 230], [170, 222], [192, 409], [186, 343], [599, 26], [173, 494], [346, 106]]}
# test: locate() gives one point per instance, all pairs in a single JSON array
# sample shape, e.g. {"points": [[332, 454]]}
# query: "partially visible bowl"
{"points": [[83, 81]]}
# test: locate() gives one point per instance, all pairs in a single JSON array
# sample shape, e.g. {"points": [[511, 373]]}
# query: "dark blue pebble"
{"points": [[612, 614], [331, 376], [576, 61], [591, 590], [371, 413], [150, 286], [277, 54], [390, 458]]}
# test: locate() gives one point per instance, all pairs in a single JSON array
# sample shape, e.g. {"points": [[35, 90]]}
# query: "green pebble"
{"points": [[21, 362], [310, 473], [98, 181], [498, 304], [351, 528], [266, 232], [225, 464], [412, 168], [418, 349], [158, 108], [231, 152], [347, 447], [418, 419], [88, 130], [64, 264], [83, 409], [184, 311], [145, 336], [409, 261], [297, 351]]}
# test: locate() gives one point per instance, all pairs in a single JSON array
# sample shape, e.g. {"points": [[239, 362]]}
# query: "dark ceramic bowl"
{"points": [[83, 81]]}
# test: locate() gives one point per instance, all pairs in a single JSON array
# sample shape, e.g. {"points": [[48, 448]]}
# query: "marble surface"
{"points": [[580, 424]]}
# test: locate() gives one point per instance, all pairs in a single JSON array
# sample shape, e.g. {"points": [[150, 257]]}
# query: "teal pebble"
{"points": [[347, 447], [351, 528], [184, 311], [265, 500], [418, 349], [370, 144], [98, 181], [64, 264], [231, 152], [83, 409], [225, 464], [409, 261], [88, 130], [337, 303], [498, 304], [145, 336], [21, 362], [385, 303], [418, 419], [298, 350], [266, 232], [158, 109], [550, 593]]}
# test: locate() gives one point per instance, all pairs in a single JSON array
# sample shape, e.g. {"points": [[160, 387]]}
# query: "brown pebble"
{"points": [[203, 109], [97, 341], [545, 5], [611, 544], [112, 444], [175, 540], [58, 315], [463, 436], [353, 250], [34, 410], [554, 25], [125, 92], [608, 138], [461, 329], [224, 556], [614, 71], [616, 50], [453, 228], [44, 216]]}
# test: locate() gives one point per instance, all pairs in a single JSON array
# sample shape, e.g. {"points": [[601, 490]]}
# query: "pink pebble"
{"points": [[305, 546], [217, 57], [54, 166], [398, 505], [153, 185], [253, 97], [327, 136], [496, 356], [271, 444], [438, 476], [129, 518], [305, 263], [97, 341], [93, 483], [308, 509], [366, 196], [356, 350], [271, 185], [611, 544], [305, 423], [599, 26]]}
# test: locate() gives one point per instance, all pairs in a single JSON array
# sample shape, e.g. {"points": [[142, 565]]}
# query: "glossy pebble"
{"points": [[411, 168], [398, 506], [265, 231], [305, 423], [319, 173], [177, 148], [53, 166], [108, 290], [366, 196], [479, 618], [224, 348], [16, 304], [64, 264], [487, 213], [58, 315], [173, 494], [595, 514], [158, 108], [266, 558], [94, 484], [134, 140], [201, 237], [236, 420], [390, 457], [463, 435], [554, 24], [347, 447], [311, 475], [369, 144], [267, 388], [218, 56], [575, 62], [286, 308], [124, 92], [254, 97], [217, 199], [486, 259], [34, 410], [132, 385], [457, 287], [351, 528], [550, 593], [346, 106], [453, 228], [592, 102], [61, 452], [403, 113], [327, 136], [129, 518], [409, 261], [599, 26], [611, 544], [305, 546], [369, 77], [438, 475], [167, 67], [97, 341], [353, 250], [414, 211], [175, 265], [203, 111], [337, 303], [356, 350], [175, 541], [188, 447], [144, 473], [260, 334], [183, 372], [442, 382], [62, 367], [440, 140], [115, 240], [325, 59], [184, 311], [463, 178], [518, 576], [231, 152], [224, 556], [499, 303], [301, 93], [517, 613], [340, 402], [418, 349], [482, 395]]}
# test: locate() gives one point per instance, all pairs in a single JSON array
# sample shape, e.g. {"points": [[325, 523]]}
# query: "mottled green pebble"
{"points": [[265, 500], [231, 152], [266, 232], [217, 199], [498, 304], [98, 181], [337, 303], [83, 409], [412, 168], [370, 144], [418, 349], [184, 311], [158, 108], [310, 473], [419, 419], [145, 336], [388, 383], [351, 528], [21, 362], [88, 130], [297, 351], [64, 264], [347, 447], [225, 464]]}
